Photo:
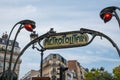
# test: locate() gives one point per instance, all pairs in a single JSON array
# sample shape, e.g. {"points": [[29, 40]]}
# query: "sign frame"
{"points": [[70, 36]]}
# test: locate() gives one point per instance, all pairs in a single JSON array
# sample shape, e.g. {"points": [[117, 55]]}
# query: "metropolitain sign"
{"points": [[65, 40]]}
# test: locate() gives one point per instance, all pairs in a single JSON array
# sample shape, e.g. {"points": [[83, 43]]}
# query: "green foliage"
{"points": [[98, 75], [107, 76], [116, 72]]}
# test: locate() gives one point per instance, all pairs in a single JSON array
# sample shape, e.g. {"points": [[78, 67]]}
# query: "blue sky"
{"points": [[64, 15]]}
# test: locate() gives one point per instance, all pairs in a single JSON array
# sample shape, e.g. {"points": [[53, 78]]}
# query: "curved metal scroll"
{"points": [[28, 45], [82, 31], [96, 33]]}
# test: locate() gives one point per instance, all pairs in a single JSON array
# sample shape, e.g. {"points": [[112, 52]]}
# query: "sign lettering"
{"points": [[65, 40]]}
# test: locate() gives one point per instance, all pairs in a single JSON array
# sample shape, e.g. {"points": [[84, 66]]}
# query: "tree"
{"points": [[116, 72], [96, 74], [107, 76]]}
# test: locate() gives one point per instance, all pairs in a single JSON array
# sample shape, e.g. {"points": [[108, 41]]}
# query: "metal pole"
{"points": [[117, 17], [41, 63], [20, 22], [11, 55], [118, 8], [7, 45], [28, 45], [9, 74], [61, 73], [96, 33]]}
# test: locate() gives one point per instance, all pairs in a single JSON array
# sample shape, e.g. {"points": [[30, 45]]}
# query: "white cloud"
{"points": [[88, 57], [10, 15], [62, 16]]}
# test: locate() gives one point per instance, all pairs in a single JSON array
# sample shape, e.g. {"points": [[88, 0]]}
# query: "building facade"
{"points": [[71, 75], [30, 75], [52, 64], [79, 70], [3, 42], [51, 68]]}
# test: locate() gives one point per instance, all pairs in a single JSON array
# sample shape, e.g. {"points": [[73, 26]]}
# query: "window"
{"points": [[64, 61], [81, 77], [80, 71], [3, 41], [54, 63], [10, 43], [1, 64], [53, 77], [54, 55], [16, 44], [3, 47], [59, 57], [0, 40], [53, 71]]}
